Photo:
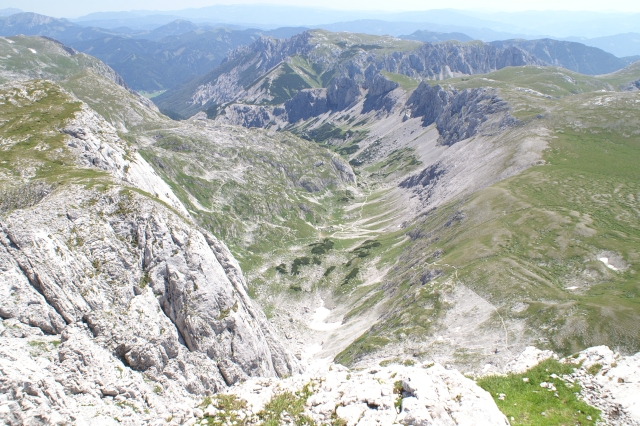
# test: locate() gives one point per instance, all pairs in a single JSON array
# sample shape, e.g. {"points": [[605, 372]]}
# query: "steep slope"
{"points": [[60, 29], [415, 148], [274, 71], [154, 65], [415, 156], [112, 267], [572, 56], [533, 257], [411, 222]]}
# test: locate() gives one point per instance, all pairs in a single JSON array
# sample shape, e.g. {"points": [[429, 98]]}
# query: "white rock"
{"points": [[351, 413], [528, 359]]}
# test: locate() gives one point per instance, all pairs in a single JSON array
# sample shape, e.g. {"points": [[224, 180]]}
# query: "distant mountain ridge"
{"points": [[434, 36], [148, 60], [159, 65], [273, 72], [570, 55], [9, 11]]}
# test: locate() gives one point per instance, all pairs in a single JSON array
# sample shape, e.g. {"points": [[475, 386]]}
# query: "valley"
{"points": [[318, 215]]}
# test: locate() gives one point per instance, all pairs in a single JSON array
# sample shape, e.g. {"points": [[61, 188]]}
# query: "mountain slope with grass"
{"points": [[570, 55], [273, 72], [397, 223]]}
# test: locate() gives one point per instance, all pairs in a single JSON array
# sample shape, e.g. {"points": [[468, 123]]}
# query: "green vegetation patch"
{"points": [[362, 345], [364, 249], [287, 405], [32, 115], [228, 407], [407, 83], [367, 304], [299, 262], [286, 85], [322, 247], [526, 403]]}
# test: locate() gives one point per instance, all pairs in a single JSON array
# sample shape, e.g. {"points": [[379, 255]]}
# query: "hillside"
{"points": [[149, 61], [273, 72], [572, 56], [403, 138], [330, 197]]}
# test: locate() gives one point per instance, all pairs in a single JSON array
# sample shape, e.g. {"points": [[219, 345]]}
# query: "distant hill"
{"points": [[174, 28], [434, 37], [60, 29], [622, 45], [570, 55], [147, 60], [150, 65]]}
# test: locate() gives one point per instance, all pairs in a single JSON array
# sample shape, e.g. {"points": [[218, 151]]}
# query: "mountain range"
{"points": [[314, 227]]}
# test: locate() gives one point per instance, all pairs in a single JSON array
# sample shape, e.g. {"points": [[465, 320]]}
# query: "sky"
{"points": [[76, 8]]}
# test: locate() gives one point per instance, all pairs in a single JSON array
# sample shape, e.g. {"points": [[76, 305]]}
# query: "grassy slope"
{"points": [[33, 150], [330, 50], [528, 403], [524, 239], [529, 238]]}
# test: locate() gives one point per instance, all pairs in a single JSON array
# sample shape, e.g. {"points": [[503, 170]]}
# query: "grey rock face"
{"points": [[633, 86], [426, 178], [428, 102], [378, 95], [235, 80], [343, 93], [150, 288], [380, 85], [458, 115], [248, 115], [306, 104], [467, 111], [441, 60]]}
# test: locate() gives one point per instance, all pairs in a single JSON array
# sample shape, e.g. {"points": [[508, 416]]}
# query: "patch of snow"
{"points": [[32, 50], [605, 260], [317, 321], [572, 288]]}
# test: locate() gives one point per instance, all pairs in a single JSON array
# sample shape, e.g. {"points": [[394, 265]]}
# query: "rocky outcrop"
{"points": [[244, 65], [458, 115], [379, 96], [609, 381], [246, 75], [427, 178], [306, 104], [248, 116], [436, 61], [632, 87], [425, 395], [120, 276]]}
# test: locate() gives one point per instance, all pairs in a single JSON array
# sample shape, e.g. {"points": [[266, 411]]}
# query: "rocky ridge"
{"points": [[115, 276], [251, 74], [427, 393]]}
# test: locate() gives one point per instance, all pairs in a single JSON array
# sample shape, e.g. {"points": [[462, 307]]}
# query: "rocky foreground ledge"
{"points": [[46, 381], [432, 394]]}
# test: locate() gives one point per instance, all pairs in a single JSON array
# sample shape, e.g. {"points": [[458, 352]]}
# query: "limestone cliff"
{"points": [[116, 272]]}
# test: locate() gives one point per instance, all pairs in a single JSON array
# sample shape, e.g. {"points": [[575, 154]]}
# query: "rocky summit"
{"points": [[327, 229]]}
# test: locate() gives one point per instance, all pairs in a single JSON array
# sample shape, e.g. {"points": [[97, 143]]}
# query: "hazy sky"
{"points": [[75, 8]]}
